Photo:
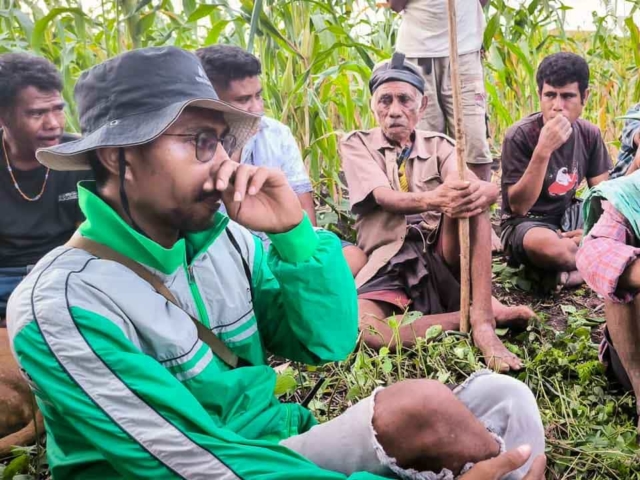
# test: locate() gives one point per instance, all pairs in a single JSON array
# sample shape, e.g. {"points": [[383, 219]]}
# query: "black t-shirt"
{"points": [[584, 155], [29, 230]]}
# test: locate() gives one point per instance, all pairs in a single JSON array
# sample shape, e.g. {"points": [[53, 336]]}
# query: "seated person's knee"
{"points": [[411, 405], [355, 257], [566, 255], [558, 252], [422, 424]]}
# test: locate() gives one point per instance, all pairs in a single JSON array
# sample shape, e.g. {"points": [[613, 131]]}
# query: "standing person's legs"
{"points": [[418, 427], [474, 112], [433, 118], [438, 116]]}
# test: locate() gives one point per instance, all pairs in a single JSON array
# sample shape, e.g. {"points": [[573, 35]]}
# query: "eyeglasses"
{"points": [[207, 142]]}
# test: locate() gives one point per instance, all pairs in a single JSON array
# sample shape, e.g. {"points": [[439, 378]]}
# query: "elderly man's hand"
{"points": [[483, 194], [464, 199]]}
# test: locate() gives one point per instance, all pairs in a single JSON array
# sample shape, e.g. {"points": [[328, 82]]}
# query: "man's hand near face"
{"points": [[554, 134], [524, 193], [258, 198]]}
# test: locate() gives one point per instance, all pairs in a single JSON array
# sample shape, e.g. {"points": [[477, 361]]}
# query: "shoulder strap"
{"points": [[245, 264], [99, 250]]}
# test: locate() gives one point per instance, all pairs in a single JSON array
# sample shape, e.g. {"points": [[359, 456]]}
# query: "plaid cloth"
{"points": [[606, 252], [627, 148]]}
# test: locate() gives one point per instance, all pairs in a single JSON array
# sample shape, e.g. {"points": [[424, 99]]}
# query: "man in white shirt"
{"points": [[235, 75]]}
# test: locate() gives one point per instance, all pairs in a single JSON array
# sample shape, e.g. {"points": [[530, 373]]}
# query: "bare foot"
{"points": [[495, 354], [511, 317], [496, 244]]}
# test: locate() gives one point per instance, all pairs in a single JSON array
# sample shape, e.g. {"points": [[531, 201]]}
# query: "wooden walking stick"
{"points": [[463, 224]]}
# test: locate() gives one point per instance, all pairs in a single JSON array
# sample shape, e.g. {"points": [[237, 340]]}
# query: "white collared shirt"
{"points": [[274, 146]]}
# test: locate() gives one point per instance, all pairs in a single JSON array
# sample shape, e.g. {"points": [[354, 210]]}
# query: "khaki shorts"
{"points": [[438, 116], [348, 444]]}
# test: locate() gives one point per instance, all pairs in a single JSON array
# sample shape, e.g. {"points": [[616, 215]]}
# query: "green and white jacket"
{"points": [[128, 390]]}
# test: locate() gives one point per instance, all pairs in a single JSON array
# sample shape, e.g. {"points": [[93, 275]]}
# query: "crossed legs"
{"points": [[486, 311], [424, 426], [548, 251]]}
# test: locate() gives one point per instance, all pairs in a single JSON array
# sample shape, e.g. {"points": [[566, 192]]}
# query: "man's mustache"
{"points": [[204, 196]]}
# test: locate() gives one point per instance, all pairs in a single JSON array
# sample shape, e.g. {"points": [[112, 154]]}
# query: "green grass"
{"points": [[589, 424], [589, 421]]}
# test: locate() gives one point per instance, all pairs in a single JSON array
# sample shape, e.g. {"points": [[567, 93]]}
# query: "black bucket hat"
{"points": [[133, 98]]}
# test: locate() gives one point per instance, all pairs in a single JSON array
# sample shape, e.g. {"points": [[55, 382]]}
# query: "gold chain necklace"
{"points": [[15, 182]]}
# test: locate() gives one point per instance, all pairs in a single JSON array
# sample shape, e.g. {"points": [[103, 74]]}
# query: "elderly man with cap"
{"points": [[145, 338], [405, 191]]}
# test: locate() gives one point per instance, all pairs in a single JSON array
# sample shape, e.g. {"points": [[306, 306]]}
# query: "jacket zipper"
{"points": [[197, 298]]}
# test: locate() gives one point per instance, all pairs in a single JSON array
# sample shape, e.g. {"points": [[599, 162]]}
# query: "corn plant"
{"points": [[317, 55]]}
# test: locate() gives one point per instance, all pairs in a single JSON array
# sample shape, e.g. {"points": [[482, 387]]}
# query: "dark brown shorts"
{"points": [[512, 239], [417, 277]]}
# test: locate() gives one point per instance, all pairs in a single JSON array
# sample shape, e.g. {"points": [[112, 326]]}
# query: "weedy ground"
{"points": [[590, 422]]}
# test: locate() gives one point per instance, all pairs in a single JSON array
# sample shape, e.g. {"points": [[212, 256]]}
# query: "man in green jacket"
{"points": [[118, 345]]}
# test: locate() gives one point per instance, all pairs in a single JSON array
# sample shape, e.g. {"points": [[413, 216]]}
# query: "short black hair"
{"points": [[21, 70], [561, 69], [225, 63]]}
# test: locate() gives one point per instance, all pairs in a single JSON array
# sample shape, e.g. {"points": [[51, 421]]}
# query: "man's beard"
{"points": [[192, 223]]}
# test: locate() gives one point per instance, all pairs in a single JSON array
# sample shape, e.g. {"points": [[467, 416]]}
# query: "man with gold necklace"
{"points": [[39, 207]]}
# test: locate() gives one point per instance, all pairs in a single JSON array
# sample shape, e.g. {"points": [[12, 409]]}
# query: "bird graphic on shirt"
{"points": [[565, 182]]}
